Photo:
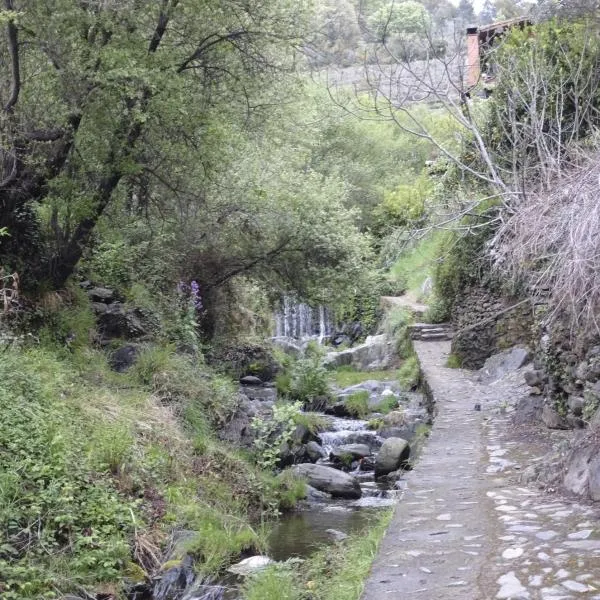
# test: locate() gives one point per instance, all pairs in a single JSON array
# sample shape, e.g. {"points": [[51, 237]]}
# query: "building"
{"points": [[480, 44]]}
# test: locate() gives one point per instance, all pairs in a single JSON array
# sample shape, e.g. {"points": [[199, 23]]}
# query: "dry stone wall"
{"points": [[486, 322]]}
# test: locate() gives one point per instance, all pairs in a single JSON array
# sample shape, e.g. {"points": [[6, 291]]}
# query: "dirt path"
{"points": [[465, 528]]}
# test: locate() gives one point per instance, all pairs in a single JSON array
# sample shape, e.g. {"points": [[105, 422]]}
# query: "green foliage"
{"points": [[290, 490], [270, 434], [65, 509], [404, 206], [314, 422], [409, 374], [417, 262], [553, 112], [68, 321], [177, 379], [386, 405], [357, 404], [396, 325], [375, 424], [279, 582], [461, 264], [308, 378]]}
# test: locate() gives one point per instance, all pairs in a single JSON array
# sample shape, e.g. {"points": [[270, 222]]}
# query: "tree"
{"points": [[109, 77], [465, 11], [488, 13]]}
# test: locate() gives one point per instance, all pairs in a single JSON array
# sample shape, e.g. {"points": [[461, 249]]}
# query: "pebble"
{"points": [[512, 553]]}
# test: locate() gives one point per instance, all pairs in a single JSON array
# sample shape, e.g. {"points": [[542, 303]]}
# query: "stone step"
{"points": [[429, 325], [445, 335]]}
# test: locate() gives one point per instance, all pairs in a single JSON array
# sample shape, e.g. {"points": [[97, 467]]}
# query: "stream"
{"points": [[301, 532]]}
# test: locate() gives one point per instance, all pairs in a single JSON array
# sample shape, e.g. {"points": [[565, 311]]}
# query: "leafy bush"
{"points": [[180, 380], [308, 378], [409, 373], [357, 404]]}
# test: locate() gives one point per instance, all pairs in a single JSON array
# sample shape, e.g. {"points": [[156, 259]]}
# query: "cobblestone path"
{"points": [[465, 528]]}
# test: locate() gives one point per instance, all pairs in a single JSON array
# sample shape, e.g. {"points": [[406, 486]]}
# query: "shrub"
{"points": [[308, 379]]}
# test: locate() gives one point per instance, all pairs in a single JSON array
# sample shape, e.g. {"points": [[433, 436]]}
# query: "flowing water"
{"points": [[301, 532], [298, 321]]}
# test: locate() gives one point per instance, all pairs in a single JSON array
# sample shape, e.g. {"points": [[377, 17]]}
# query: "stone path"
{"points": [[465, 527]]}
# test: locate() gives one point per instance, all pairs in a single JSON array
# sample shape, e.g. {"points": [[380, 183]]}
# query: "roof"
{"points": [[498, 25]]}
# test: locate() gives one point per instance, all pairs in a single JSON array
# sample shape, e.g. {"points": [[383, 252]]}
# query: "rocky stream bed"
{"points": [[352, 471]]}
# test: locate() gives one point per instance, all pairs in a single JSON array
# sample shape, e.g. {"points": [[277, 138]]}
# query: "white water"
{"points": [[299, 321]]}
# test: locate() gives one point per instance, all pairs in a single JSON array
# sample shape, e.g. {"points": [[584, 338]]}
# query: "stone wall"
{"points": [[486, 322]]}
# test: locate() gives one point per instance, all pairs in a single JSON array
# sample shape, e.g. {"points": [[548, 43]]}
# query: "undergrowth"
{"points": [[97, 469]]}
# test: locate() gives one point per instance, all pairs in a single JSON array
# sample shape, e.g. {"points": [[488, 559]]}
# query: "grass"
{"points": [[314, 422], [409, 373], [347, 376], [454, 361], [357, 404], [326, 575], [417, 263], [386, 405], [103, 466]]}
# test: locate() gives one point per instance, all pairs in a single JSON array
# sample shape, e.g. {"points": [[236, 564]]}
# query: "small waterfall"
{"points": [[299, 321]]}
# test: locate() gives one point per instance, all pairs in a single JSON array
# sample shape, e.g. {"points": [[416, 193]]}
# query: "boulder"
{"points": [[395, 418], [338, 409], [368, 438], [123, 358], [534, 378], [314, 495], [377, 352], [594, 478], [315, 452], [337, 536], [329, 480], [287, 346], [406, 433], [259, 392], [101, 294], [356, 451], [528, 410], [501, 364], [250, 565], [175, 580], [392, 455], [553, 420], [577, 477], [250, 380], [121, 322]]}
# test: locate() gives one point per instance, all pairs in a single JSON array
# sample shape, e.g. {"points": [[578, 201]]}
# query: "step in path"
{"points": [[466, 528]]}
